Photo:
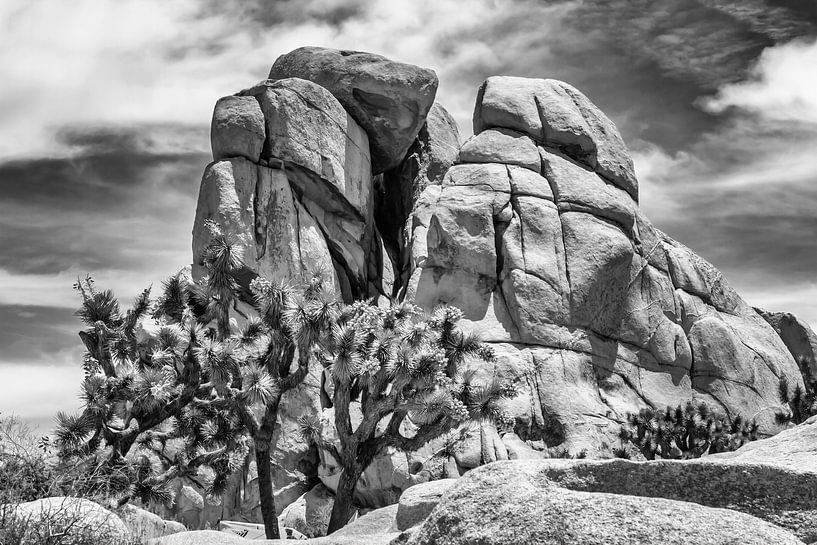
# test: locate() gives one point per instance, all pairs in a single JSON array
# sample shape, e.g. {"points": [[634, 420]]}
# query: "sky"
{"points": [[105, 107]]}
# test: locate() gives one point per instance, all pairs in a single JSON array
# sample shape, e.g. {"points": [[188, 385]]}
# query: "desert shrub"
{"points": [[25, 473], [565, 453], [28, 472], [685, 432]]}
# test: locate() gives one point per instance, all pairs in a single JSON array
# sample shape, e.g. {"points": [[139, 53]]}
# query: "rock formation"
{"points": [[516, 502], [535, 233], [342, 162]]}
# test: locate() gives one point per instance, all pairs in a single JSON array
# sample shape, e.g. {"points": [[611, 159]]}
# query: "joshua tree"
{"points": [[137, 389], [407, 371], [802, 403], [201, 385], [685, 432]]}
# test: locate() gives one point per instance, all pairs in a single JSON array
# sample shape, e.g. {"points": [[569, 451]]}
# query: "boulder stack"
{"points": [[341, 162]]}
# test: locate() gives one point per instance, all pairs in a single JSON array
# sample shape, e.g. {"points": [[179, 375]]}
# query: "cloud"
{"points": [[39, 334], [781, 88], [122, 209]]}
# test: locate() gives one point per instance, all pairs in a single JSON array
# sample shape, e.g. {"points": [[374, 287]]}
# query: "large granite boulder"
{"points": [[794, 449], [292, 185], [144, 525], [389, 99], [342, 163], [783, 496], [75, 520], [553, 112], [592, 310], [309, 514], [417, 502], [516, 502]]}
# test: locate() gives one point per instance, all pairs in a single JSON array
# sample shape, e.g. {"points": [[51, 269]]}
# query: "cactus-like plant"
{"points": [[685, 432], [407, 371], [192, 395], [802, 403]]}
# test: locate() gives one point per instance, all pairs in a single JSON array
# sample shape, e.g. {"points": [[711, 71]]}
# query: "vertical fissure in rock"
{"points": [[394, 195], [262, 209], [556, 198]]}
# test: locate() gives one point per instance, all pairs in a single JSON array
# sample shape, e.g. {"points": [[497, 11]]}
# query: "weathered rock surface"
{"points": [[200, 537], [417, 502], [402, 193], [794, 449], [389, 99], [75, 519], [532, 227], [594, 311], [774, 479], [309, 514], [555, 113], [781, 495], [144, 525], [799, 339], [237, 129], [515, 502]]}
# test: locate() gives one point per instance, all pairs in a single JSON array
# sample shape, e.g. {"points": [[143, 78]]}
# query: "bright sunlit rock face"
{"points": [[532, 227]]}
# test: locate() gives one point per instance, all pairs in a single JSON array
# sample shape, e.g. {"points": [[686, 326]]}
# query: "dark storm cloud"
{"points": [[36, 334], [113, 206], [272, 13]]}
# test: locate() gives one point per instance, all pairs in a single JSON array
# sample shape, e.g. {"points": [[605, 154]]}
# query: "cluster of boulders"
{"points": [[342, 163]]}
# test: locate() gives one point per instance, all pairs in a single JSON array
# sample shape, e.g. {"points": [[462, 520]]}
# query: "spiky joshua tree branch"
{"points": [[185, 399], [406, 369]]}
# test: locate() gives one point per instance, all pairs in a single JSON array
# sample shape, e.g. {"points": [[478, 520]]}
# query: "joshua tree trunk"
{"points": [[344, 499], [262, 460]]}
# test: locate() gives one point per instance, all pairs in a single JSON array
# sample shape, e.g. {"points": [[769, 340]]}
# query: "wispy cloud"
{"points": [[781, 87], [742, 194]]}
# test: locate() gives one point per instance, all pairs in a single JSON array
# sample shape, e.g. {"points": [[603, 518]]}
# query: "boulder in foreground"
{"points": [[513, 502], [77, 520]]}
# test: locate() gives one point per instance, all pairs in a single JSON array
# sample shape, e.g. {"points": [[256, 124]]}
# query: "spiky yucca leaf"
{"points": [[100, 307], [258, 387], [251, 332], [429, 406], [172, 303], [72, 430], [93, 394], [348, 358], [141, 306], [216, 360], [309, 428]]}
